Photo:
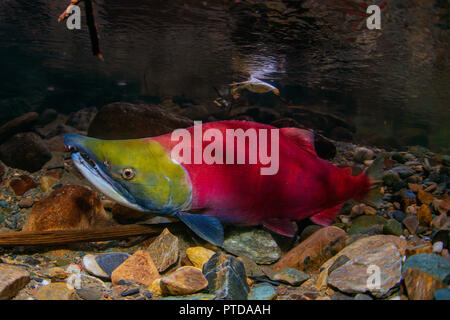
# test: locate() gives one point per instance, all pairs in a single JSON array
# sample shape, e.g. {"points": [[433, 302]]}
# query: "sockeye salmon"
{"points": [[144, 174]]}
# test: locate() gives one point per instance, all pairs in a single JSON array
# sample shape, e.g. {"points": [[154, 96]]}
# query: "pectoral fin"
{"points": [[281, 226], [206, 227], [325, 217]]}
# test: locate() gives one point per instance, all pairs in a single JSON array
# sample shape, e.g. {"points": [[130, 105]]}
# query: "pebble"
{"points": [[431, 264], [164, 250], [424, 215], [315, 250], [139, 268], [12, 279], [199, 256], [438, 247], [291, 276], [22, 184], [411, 223], [398, 215], [56, 291], [102, 265], [362, 154], [255, 244], [393, 227], [425, 197], [183, 281], [262, 292], [421, 286], [226, 277]]}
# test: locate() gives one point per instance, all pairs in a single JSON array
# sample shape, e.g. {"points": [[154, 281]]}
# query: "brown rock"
{"points": [[122, 120], [417, 247], [315, 250], [138, 268], [22, 184], [67, 208], [164, 250], [56, 291], [424, 215], [411, 223], [414, 187], [420, 285], [442, 205], [425, 197], [25, 203], [19, 124], [185, 280], [12, 279]]}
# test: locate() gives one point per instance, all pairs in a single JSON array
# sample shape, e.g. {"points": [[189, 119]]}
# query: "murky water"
{"points": [[393, 84]]}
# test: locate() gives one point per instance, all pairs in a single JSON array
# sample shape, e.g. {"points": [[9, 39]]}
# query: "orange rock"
{"points": [[420, 285], [22, 184], [12, 279], [185, 280], [424, 215], [138, 268], [314, 251], [425, 197], [418, 247], [67, 208]]}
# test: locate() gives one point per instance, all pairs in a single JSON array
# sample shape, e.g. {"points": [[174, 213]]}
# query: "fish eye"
{"points": [[128, 173]]}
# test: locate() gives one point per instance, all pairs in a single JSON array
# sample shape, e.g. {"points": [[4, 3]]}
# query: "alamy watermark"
{"points": [[236, 151]]}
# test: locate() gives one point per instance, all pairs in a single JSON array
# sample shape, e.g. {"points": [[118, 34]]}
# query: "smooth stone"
{"points": [[199, 256], [390, 178], [353, 276], [262, 292], [393, 227], [431, 264], [102, 265], [403, 171], [139, 268], [251, 268], [442, 294], [91, 293], [291, 276], [420, 285], [361, 154], [12, 280], [361, 254], [70, 207], [315, 250], [56, 291], [22, 184], [411, 223], [438, 247], [226, 277], [164, 250], [197, 296], [183, 281], [255, 244]]}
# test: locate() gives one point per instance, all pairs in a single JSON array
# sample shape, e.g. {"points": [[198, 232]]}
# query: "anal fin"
{"points": [[325, 217], [281, 226], [206, 227]]}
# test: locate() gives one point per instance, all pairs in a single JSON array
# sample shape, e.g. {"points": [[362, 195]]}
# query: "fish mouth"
{"points": [[95, 173]]}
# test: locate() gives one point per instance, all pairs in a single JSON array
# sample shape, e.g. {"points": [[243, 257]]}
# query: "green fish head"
{"points": [[137, 173]]}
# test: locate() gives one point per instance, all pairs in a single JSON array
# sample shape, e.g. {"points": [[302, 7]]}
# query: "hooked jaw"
{"points": [[93, 170]]}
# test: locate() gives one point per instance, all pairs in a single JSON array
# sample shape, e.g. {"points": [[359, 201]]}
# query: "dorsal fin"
{"points": [[302, 138]]}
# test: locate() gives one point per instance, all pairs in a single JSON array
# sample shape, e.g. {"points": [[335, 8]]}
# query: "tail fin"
{"points": [[375, 175]]}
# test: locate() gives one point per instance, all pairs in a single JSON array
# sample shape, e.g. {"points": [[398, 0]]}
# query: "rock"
{"points": [[185, 280], [411, 223], [199, 256], [155, 288], [417, 247], [55, 273], [19, 124], [425, 197], [164, 250], [431, 264], [70, 207], [442, 294], [308, 231], [424, 215], [398, 215], [102, 265], [361, 154], [226, 277], [355, 251], [26, 203], [393, 227], [12, 279], [354, 275], [139, 268], [251, 268], [291, 276], [362, 296], [47, 182], [197, 296], [25, 151], [390, 178], [421, 286], [22, 184], [399, 157], [122, 120], [314, 251], [442, 236], [262, 292], [403, 171], [255, 244], [363, 223], [91, 293], [82, 118], [440, 222], [438, 247], [56, 291]]}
